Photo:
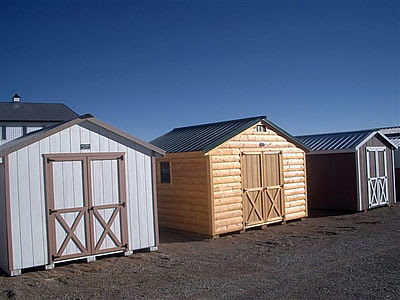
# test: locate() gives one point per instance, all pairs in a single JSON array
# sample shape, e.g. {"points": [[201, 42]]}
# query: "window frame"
{"points": [[4, 133], [170, 171], [264, 128]]}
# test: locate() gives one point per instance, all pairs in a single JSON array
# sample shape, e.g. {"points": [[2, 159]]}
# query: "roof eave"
{"points": [[373, 134]]}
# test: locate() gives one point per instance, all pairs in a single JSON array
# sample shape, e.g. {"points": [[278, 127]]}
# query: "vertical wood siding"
{"points": [[226, 176], [332, 181], [27, 190], [3, 228], [12, 133]]}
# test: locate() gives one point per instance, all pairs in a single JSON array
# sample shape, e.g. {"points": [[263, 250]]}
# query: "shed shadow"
{"points": [[168, 236], [320, 213]]}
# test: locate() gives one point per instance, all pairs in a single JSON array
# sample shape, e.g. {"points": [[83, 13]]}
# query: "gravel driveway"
{"points": [[348, 256]]}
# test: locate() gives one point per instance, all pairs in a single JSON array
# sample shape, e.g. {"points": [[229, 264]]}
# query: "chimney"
{"points": [[16, 98]]}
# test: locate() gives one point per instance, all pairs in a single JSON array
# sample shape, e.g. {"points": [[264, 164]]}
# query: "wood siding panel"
{"points": [[184, 204], [227, 179], [27, 191], [332, 182]]}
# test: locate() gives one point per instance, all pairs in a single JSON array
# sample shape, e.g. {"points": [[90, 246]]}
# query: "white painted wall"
{"points": [[27, 191], [3, 228]]}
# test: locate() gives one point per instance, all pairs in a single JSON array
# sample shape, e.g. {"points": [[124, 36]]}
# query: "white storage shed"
{"points": [[75, 190]]}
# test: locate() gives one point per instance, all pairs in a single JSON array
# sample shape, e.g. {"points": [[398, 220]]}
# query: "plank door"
{"points": [[253, 203], [67, 203], [108, 203], [377, 176], [273, 187]]}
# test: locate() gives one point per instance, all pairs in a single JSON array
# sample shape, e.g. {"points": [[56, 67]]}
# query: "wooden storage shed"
{"points": [[75, 190], [350, 170], [227, 176]]}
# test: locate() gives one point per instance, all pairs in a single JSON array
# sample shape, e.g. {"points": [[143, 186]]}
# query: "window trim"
{"points": [[170, 171], [261, 126], [4, 133]]}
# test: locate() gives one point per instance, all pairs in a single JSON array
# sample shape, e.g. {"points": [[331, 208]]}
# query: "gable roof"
{"points": [[35, 112], [340, 141], [206, 137], [38, 135]]}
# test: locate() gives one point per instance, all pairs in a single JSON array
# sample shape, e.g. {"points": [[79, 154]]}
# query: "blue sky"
{"points": [[149, 66]]}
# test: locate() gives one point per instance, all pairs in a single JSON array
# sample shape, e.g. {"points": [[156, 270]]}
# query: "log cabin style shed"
{"points": [[75, 190], [350, 170], [228, 176]]}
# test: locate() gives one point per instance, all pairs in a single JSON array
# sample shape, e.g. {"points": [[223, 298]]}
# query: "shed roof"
{"points": [[206, 137], [340, 141], [35, 112], [38, 135]]}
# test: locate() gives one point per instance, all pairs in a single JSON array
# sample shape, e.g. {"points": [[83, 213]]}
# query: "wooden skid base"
{"points": [[15, 273], [49, 267], [152, 249], [91, 259]]}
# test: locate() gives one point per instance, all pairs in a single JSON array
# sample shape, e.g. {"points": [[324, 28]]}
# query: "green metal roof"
{"points": [[206, 137]]}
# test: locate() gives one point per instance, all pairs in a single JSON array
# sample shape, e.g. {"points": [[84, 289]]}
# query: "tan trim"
{"points": [[126, 135], [305, 185], [155, 204], [22, 142], [210, 195], [8, 215]]}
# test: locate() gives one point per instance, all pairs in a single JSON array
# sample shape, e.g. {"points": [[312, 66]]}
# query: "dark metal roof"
{"points": [[208, 136], [338, 141], [35, 112], [335, 141]]}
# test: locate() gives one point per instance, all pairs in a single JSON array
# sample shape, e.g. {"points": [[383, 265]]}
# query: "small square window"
{"points": [[3, 132], [261, 128], [165, 172]]}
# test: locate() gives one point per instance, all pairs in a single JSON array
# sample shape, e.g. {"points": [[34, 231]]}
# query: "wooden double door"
{"points": [[86, 204], [263, 194]]}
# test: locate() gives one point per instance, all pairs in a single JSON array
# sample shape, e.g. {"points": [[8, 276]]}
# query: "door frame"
{"points": [[264, 189], [377, 170], [88, 208]]}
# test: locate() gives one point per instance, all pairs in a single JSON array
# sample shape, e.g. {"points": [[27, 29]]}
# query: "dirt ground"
{"points": [[347, 256]]}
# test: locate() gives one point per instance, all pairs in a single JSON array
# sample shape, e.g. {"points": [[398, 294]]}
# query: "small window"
{"points": [[261, 128], [165, 172], [3, 132]]}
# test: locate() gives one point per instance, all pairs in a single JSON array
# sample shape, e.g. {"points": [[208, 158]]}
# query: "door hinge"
{"points": [[49, 160], [121, 157], [55, 257], [52, 211], [123, 204]]}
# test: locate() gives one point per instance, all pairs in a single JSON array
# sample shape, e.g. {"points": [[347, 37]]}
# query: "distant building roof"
{"points": [[392, 133], [206, 137], [35, 112], [38, 135], [339, 141]]}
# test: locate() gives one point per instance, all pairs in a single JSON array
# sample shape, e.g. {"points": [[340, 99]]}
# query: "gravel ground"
{"points": [[348, 256]]}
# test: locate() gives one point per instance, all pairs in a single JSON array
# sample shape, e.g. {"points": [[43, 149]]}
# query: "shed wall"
{"points": [[3, 220], [184, 203], [332, 181], [375, 141], [27, 190], [226, 176]]}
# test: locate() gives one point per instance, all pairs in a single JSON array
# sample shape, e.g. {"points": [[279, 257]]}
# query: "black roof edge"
{"points": [[219, 122]]}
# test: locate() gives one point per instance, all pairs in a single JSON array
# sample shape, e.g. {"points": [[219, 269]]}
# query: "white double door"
{"points": [[377, 177]]}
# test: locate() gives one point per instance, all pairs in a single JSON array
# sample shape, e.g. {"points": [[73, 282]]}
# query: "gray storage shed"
{"points": [[75, 190], [350, 170]]}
